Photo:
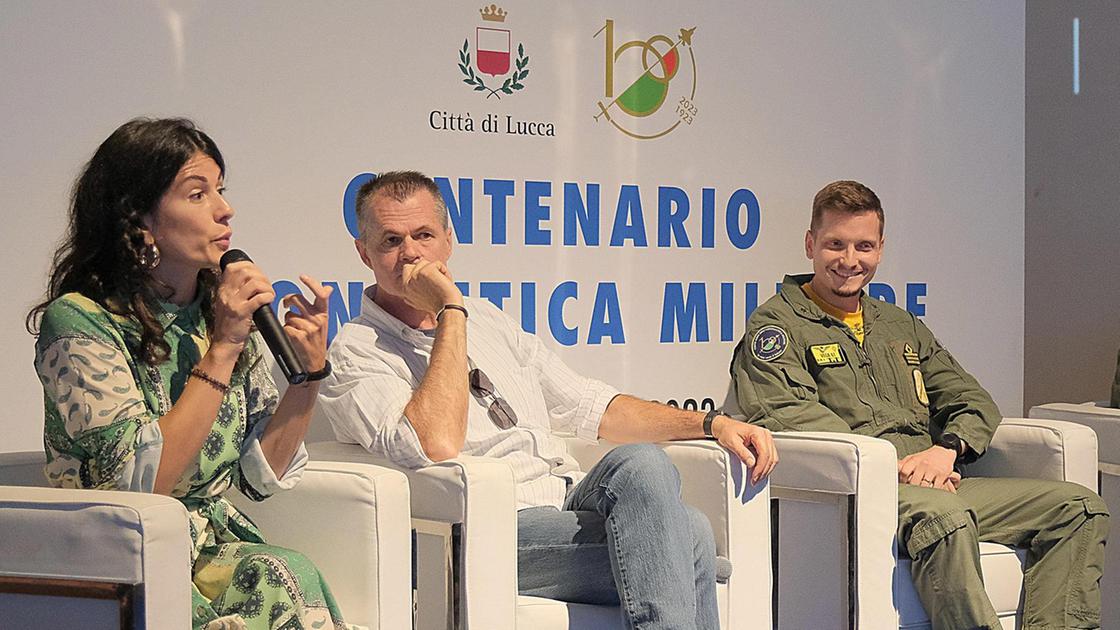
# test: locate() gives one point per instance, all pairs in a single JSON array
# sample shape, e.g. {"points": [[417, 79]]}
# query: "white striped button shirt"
{"points": [[379, 361]]}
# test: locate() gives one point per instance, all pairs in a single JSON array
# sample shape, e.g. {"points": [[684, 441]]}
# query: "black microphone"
{"points": [[271, 329]]}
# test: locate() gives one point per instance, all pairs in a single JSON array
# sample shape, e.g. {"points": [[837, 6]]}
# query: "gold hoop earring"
{"points": [[149, 256]]}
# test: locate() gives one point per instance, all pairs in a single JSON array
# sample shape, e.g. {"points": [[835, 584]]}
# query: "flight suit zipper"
{"points": [[865, 360], [870, 370]]}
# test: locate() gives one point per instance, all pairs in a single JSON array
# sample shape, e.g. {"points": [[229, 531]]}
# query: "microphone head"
{"points": [[232, 256]]}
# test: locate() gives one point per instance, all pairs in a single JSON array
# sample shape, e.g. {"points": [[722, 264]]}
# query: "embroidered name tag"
{"points": [[826, 354]]}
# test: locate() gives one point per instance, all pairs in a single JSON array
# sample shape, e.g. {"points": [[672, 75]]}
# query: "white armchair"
{"points": [[836, 504], [85, 558], [1105, 421], [474, 499]]}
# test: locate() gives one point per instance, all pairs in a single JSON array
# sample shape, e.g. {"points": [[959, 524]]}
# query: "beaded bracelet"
{"points": [[210, 380]]}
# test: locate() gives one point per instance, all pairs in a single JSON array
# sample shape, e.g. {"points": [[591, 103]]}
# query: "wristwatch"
{"points": [[319, 375], [708, 419], [952, 442]]}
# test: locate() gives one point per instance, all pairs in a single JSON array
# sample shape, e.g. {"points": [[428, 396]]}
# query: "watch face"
{"points": [[951, 442]]}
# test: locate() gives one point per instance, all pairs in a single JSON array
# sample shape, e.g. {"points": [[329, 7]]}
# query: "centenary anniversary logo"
{"points": [[492, 56], [655, 72]]}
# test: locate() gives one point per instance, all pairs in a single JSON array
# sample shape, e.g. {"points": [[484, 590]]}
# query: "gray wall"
{"points": [[1072, 271]]}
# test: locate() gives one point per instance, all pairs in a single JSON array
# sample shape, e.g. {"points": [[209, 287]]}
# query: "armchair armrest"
{"points": [[714, 481], [1040, 449], [853, 479], [717, 483], [363, 507], [1098, 416], [476, 494], [103, 536], [1105, 421]]}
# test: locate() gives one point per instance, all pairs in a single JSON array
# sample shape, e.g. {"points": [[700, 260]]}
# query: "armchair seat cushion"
{"points": [[538, 612]]}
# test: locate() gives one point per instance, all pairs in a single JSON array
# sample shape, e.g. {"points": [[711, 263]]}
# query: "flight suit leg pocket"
{"points": [[927, 516], [931, 530]]}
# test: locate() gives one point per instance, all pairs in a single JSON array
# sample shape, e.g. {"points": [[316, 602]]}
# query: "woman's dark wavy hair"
{"points": [[100, 255]]}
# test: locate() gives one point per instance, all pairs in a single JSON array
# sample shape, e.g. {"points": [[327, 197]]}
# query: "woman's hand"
{"points": [[243, 289], [306, 323]]}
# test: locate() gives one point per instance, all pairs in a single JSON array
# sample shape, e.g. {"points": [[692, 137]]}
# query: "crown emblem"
{"points": [[493, 13]]}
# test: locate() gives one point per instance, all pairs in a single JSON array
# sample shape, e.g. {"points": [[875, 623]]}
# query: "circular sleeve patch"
{"points": [[769, 343]]}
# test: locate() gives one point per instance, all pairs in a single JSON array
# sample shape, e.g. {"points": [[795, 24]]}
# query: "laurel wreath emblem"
{"points": [[512, 82]]}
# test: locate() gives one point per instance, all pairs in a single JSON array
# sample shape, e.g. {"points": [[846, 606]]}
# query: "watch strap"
{"points": [[708, 419], [319, 375], [952, 442]]}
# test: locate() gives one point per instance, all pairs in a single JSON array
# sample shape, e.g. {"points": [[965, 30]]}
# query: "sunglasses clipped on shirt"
{"points": [[500, 412]]}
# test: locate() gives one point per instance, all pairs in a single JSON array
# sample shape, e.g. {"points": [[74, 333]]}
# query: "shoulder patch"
{"points": [[769, 343]]}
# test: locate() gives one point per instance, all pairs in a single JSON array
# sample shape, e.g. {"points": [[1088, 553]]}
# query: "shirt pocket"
{"points": [[801, 384], [902, 359]]}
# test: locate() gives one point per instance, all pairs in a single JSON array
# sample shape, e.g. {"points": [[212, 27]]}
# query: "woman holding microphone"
{"points": [[154, 380]]}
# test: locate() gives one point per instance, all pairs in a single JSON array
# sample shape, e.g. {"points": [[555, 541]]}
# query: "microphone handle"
{"points": [[271, 329], [278, 343]]}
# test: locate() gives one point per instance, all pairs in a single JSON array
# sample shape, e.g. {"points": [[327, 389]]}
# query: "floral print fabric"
{"points": [[102, 405]]}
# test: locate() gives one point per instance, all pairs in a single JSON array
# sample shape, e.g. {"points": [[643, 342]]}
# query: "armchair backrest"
{"points": [[1098, 416]]}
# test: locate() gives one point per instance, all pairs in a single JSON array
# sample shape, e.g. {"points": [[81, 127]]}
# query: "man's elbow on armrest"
{"points": [[440, 450]]}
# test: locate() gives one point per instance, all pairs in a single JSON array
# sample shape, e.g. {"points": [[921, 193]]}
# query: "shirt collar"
{"points": [[834, 311], [806, 307], [186, 316], [379, 319]]}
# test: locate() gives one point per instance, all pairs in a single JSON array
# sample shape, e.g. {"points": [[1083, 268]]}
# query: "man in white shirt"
{"points": [[424, 374]]}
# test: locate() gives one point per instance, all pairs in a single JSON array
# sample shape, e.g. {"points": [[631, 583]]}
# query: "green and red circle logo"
{"points": [[656, 71]]}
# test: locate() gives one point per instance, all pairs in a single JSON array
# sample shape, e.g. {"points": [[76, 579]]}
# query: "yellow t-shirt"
{"points": [[853, 321]]}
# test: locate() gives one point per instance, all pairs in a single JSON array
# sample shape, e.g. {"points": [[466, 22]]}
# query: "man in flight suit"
{"points": [[822, 356]]}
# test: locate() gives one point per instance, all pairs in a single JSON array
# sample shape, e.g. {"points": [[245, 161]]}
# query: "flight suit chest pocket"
{"points": [[801, 384], [907, 373]]}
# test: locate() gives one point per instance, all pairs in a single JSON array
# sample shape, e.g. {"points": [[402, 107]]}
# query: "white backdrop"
{"points": [[921, 101]]}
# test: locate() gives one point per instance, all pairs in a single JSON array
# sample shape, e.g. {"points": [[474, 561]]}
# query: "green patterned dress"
{"points": [[101, 432]]}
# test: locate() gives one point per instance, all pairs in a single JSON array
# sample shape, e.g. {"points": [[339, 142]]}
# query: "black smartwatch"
{"points": [[319, 375], [952, 442], [708, 419]]}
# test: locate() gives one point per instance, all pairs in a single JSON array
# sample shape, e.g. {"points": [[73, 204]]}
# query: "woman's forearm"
{"points": [[187, 425], [288, 426]]}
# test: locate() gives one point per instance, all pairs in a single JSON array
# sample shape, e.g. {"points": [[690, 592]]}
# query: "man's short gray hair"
{"points": [[398, 185]]}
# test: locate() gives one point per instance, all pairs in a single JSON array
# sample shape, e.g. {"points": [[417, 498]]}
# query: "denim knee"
{"points": [[645, 470], [705, 540]]}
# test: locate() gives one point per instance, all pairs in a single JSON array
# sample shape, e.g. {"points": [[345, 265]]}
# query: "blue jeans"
{"points": [[624, 538]]}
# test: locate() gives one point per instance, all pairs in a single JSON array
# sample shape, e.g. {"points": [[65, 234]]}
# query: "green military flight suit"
{"points": [[798, 369]]}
